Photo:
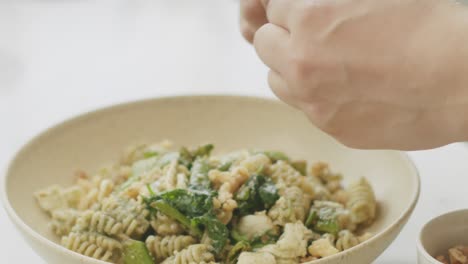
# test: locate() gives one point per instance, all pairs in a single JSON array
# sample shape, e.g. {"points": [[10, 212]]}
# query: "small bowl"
{"points": [[229, 122], [442, 233]]}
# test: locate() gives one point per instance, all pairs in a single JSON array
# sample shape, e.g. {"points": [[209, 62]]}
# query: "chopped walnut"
{"points": [[442, 259], [456, 255], [307, 259]]}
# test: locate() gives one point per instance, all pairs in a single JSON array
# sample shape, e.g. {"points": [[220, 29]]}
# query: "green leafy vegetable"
{"points": [[327, 226], [237, 237], [199, 176], [300, 166], [203, 151], [187, 156], [216, 230], [323, 220], [191, 204], [135, 252], [150, 154], [269, 237], [312, 218], [236, 250], [194, 210], [173, 213], [275, 155], [225, 165], [268, 194], [256, 194]]}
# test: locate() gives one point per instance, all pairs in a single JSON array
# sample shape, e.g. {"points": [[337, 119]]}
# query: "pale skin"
{"points": [[386, 74]]}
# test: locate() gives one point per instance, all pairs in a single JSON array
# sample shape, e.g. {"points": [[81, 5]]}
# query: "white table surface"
{"points": [[60, 58]]}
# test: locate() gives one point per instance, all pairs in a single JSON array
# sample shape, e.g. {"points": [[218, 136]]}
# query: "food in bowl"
{"points": [[456, 255], [157, 205]]}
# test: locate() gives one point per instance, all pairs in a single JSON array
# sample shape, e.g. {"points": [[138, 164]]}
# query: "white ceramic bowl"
{"points": [[230, 122], [442, 233]]}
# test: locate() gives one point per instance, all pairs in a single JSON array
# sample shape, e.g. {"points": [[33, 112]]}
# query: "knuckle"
{"points": [[304, 59], [315, 10], [300, 66]]}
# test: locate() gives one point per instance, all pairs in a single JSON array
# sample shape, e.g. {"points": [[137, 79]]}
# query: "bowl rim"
{"points": [[421, 248], [26, 229]]}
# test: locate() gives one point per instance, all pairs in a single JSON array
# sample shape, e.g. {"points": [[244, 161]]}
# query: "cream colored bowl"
{"points": [[442, 233], [230, 122]]}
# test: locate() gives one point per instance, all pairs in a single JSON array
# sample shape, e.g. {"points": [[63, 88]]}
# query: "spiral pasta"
{"points": [[158, 205], [292, 207], [255, 163], [63, 220], [256, 258], [130, 214], [166, 226], [99, 221], [96, 194], [322, 248], [162, 247], [346, 240], [198, 253], [284, 175], [361, 202], [93, 245]]}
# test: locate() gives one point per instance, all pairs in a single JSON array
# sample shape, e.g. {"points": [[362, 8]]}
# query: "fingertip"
{"points": [[247, 32]]}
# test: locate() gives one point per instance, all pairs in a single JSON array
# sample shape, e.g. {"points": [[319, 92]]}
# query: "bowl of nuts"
{"points": [[444, 239]]}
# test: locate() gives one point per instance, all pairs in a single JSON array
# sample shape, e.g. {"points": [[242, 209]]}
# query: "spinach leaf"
{"points": [[135, 252], [275, 155], [236, 250], [256, 194], [194, 210], [216, 230], [225, 166], [187, 157], [323, 220], [191, 204], [173, 213], [237, 237], [270, 237], [268, 194], [203, 151], [150, 154], [327, 226], [199, 175], [300, 166], [312, 218]]}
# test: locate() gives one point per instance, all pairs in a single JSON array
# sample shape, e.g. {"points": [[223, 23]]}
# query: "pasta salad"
{"points": [[158, 205]]}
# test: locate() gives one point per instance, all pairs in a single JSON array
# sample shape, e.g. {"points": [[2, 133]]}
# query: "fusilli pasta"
{"points": [[159, 205], [162, 247]]}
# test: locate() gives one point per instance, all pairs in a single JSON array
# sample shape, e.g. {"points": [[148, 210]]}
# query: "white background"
{"points": [[60, 58]]}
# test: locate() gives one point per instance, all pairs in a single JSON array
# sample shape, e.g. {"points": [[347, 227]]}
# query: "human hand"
{"points": [[373, 74]]}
